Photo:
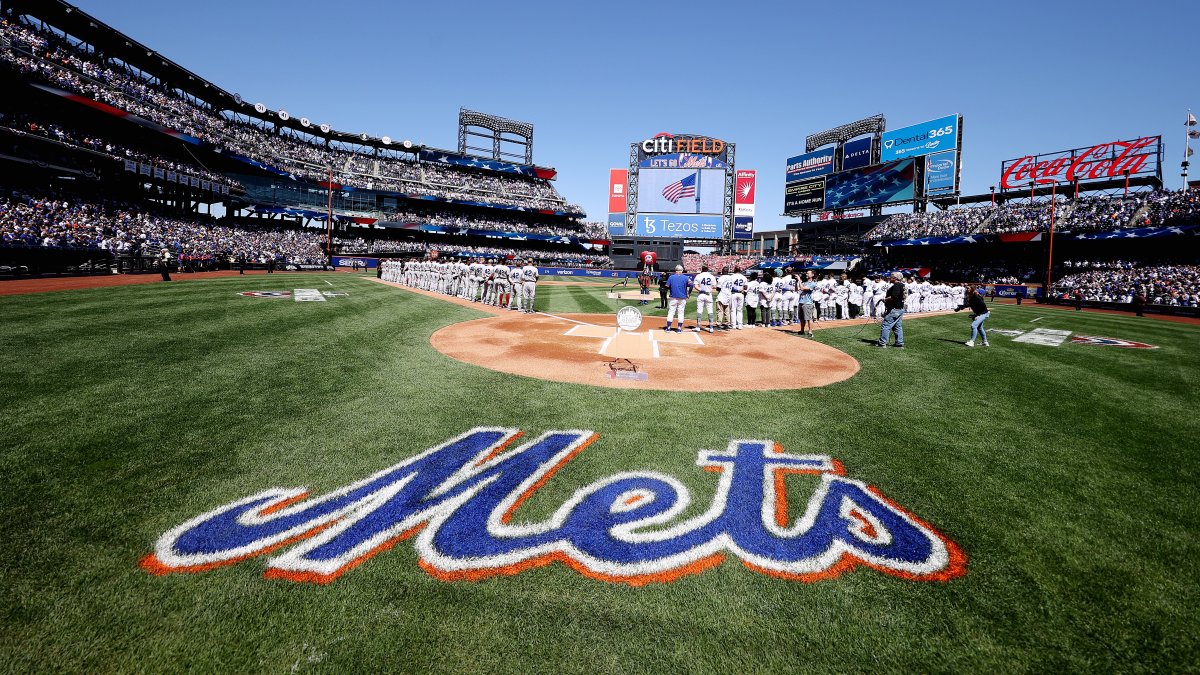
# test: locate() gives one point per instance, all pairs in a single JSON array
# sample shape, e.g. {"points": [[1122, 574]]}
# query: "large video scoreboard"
{"points": [[681, 186]]}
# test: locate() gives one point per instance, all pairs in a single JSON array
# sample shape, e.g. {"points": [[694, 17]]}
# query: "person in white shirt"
{"points": [[514, 281], [879, 289], [473, 281], [855, 295], [766, 299], [737, 299], [704, 283], [818, 297], [841, 297], [724, 283], [529, 277], [486, 282], [791, 300], [752, 299]]}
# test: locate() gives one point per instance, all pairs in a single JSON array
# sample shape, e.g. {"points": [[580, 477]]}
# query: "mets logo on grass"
{"points": [[461, 503]]}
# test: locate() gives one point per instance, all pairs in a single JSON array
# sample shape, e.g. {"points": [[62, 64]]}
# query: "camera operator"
{"points": [[893, 303]]}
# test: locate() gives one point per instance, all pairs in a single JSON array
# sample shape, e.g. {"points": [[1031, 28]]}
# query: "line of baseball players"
{"points": [[787, 299], [489, 282]]}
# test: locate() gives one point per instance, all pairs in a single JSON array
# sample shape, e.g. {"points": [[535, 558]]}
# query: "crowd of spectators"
{"points": [[1175, 285], [364, 246], [1096, 213], [1099, 213], [692, 262], [47, 57], [56, 221], [23, 124], [1069, 266], [933, 224], [501, 223], [1171, 208]]}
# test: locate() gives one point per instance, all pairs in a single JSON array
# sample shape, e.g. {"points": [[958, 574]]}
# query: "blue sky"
{"points": [[593, 77]]}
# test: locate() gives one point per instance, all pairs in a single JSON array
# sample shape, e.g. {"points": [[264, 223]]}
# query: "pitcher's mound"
{"points": [[579, 349]]}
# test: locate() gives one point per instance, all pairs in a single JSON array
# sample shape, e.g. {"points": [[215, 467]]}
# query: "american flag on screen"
{"points": [[685, 187]]}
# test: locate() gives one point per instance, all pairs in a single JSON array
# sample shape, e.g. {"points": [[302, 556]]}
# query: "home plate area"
{"points": [[580, 348], [622, 344]]}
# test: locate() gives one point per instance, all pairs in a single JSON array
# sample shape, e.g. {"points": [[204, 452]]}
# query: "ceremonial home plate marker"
{"points": [[1044, 336]]}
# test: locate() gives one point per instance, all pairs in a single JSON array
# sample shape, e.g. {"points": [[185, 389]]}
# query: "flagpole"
{"points": [[1050, 252], [698, 191], [1187, 146]]}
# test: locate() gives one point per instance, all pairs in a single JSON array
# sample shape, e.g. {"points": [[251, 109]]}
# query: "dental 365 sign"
{"points": [[920, 139]]}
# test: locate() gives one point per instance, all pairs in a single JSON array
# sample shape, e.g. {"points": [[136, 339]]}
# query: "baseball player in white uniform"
{"points": [[724, 296], [766, 300], [737, 299], [841, 296], [515, 287], [529, 277], [751, 299], [791, 299], [704, 284]]}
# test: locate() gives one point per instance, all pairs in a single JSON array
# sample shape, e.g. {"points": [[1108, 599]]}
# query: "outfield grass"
{"points": [[1067, 475]]}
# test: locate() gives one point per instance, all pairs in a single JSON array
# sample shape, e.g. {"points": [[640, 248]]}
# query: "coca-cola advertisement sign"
{"points": [[1106, 161]]}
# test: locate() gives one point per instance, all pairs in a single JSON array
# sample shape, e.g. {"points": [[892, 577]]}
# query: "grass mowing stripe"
{"points": [[1065, 473]]}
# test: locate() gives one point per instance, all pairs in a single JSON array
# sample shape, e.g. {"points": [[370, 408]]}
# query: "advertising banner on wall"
{"points": [[618, 186], [743, 196], [678, 225], [811, 165], [925, 138], [616, 224], [856, 153], [808, 195], [1105, 161], [743, 227], [886, 183], [941, 172]]}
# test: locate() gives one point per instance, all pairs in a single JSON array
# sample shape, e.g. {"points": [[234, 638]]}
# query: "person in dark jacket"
{"points": [[979, 314], [662, 290], [893, 319]]}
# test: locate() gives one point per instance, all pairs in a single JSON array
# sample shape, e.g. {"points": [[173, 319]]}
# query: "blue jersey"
{"points": [[680, 285]]}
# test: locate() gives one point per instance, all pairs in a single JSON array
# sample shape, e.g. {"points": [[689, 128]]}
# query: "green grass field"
{"points": [[1067, 475]]}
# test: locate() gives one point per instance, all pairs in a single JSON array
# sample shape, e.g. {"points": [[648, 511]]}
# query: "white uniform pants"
{"points": [[736, 302], [528, 294]]}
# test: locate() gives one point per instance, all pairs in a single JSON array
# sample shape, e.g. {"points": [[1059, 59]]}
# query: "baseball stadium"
{"points": [[287, 396]]}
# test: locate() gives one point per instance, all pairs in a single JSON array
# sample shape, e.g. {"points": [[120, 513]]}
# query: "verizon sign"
{"points": [[1106, 161]]}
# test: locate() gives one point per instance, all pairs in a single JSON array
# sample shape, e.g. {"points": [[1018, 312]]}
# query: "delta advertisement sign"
{"points": [[1105, 161]]}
